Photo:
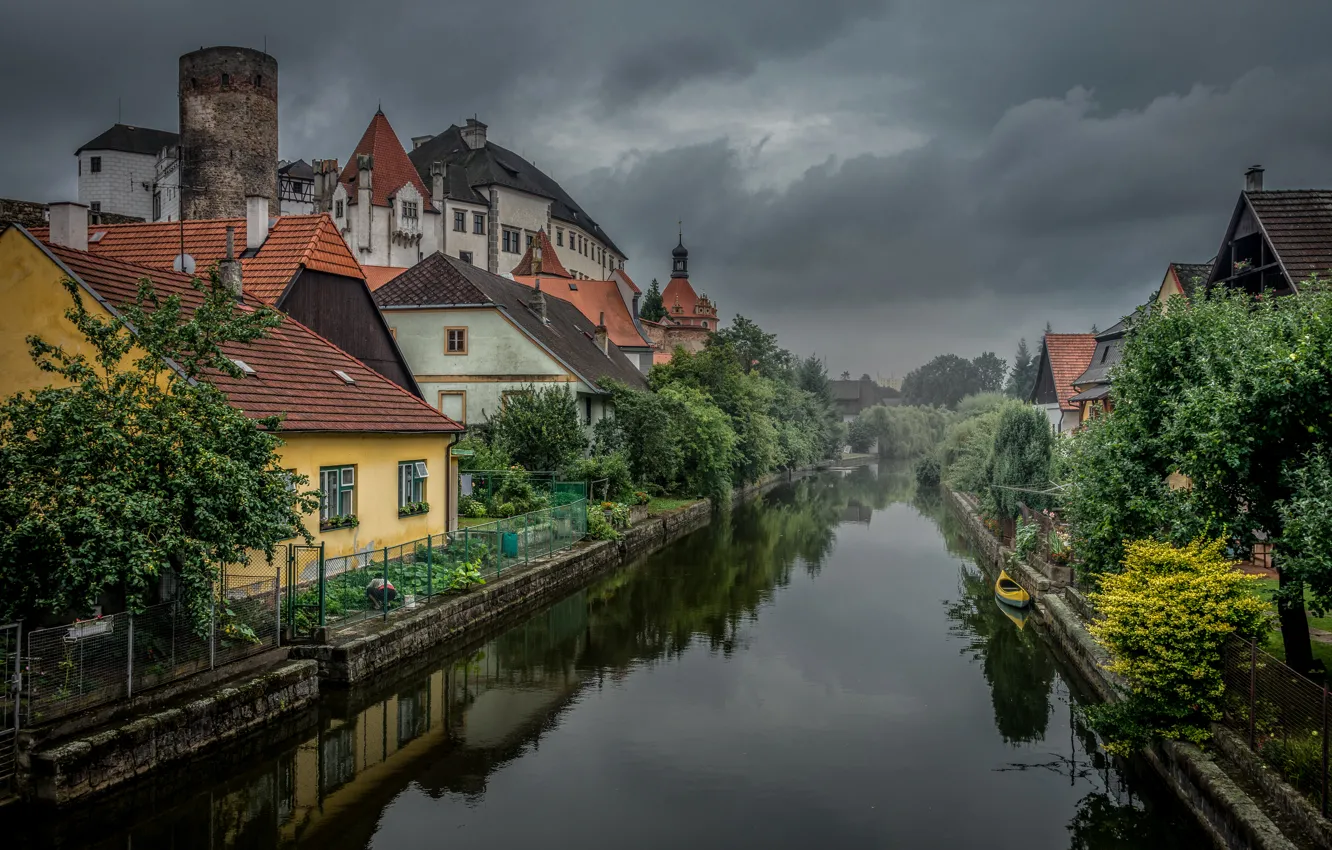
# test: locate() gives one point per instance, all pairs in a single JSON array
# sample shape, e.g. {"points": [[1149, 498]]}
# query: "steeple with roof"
{"points": [[684, 306], [680, 258]]}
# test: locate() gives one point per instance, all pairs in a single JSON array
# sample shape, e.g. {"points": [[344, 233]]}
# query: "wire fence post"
{"points": [[527, 542], [129, 664], [1253, 689], [277, 600], [384, 600], [1323, 795], [212, 631], [430, 566], [467, 545]]}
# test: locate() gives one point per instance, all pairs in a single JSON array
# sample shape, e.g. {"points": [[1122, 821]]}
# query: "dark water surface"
{"points": [[825, 669]]}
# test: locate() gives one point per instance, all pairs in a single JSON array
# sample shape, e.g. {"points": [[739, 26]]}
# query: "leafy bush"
{"points": [[860, 434], [597, 526], [612, 467], [539, 428], [927, 471], [484, 454], [471, 507], [968, 444], [515, 491], [1026, 537], [981, 403], [1023, 443], [1165, 619], [904, 431], [1299, 760]]}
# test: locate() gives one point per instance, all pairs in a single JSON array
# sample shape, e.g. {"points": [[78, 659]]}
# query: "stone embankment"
{"points": [[1233, 817]]}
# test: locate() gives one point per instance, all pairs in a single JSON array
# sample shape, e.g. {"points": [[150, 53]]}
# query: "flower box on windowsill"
{"points": [[333, 523], [414, 509]]}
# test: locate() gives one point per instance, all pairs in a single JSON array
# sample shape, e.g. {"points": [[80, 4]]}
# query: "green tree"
{"points": [[942, 382], [538, 428], [1019, 461], [754, 349], [990, 369], [652, 307], [1022, 377], [135, 466]]}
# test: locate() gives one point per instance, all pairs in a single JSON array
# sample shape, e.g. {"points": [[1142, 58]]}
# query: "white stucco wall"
{"points": [[455, 242], [383, 251], [499, 358], [124, 185], [599, 261], [167, 186]]}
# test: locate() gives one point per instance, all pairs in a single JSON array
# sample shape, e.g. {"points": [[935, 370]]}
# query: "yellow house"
{"points": [[378, 453]]}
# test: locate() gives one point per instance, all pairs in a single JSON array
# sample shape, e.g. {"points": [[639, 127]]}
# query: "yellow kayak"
{"points": [[1010, 592]]}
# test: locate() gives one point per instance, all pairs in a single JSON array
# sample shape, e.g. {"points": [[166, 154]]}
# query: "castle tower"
{"points": [[228, 131]]}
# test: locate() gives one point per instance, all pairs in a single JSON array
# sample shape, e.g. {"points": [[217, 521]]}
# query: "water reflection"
{"points": [[736, 606]]}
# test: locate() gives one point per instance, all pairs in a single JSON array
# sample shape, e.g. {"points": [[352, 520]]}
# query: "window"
{"points": [[453, 404], [705, 324], [512, 241], [258, 80], [455, 340], [559, 237], [337, 209], [338, 486], [529, 240], [95, 164], [226, 81], [409, 209], [1105, 352], [412, 475], [459, 221], [95, 206], [479, 224], [466, 257], [508, 394], [157, 205], [587, 416]]}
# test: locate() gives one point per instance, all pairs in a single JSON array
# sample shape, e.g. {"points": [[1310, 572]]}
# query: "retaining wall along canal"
{"points": [[1226, 811]]}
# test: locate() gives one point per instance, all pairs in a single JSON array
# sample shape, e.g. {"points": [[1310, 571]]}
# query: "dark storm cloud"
{"points": [[1060, 154]]}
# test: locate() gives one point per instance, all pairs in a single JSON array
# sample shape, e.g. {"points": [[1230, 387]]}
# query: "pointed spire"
{"points": [[379, 110]]}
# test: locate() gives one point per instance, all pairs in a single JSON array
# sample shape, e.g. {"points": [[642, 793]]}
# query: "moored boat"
{"points": [[1010, 592]]}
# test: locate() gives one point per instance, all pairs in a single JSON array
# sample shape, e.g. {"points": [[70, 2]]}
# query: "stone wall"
{"points": [[32, 214], [100, 761]]}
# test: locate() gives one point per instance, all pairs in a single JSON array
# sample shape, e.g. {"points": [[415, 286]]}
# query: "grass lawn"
{"points": [[1265, 587], [468, 521], [659, 505]]}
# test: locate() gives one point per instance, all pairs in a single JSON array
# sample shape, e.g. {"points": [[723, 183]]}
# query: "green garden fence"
{"points": [[353, 587]]}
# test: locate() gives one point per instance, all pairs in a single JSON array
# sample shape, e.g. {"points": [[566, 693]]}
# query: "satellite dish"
{"points": [[183, 263]]}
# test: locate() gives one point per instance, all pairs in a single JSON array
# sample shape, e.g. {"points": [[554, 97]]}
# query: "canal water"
{"points": [[826, 668]]}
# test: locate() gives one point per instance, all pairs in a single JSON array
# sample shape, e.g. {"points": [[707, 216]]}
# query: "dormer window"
{"points": [[338, 210], [409, 209]]}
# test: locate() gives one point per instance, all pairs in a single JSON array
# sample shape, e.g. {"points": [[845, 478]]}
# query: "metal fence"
{"points": [[481, 484], [1283, 716], [89, 663], [11, 679], [379, 582]]}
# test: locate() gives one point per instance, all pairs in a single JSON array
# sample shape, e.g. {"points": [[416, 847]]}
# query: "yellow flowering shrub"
{"points": [[1166, 617]]}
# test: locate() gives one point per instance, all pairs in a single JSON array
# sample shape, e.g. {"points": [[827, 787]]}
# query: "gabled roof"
{"points": [[1298, 226], [680, 290], [294, 366], [130, 139], [377, 276], [391, 168], [294, 241], [496, 165], [624, 275], [1067, 356], [594, 298], [440, 281], [298, 170], [1190, 276], [550, 262]]}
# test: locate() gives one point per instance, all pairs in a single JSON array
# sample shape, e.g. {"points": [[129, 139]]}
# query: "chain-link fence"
{"points": [[92, 662], [1282, 714], [483, 484], [378, 582]]}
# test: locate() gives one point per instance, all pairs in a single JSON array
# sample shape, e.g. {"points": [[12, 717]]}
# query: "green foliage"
{"points": [[515, 494], [947, 379], [135, 466], [613, 467], [968, 444], [1022, 377], [1298, 759], [538, 428], [652, 307], [1026, 538], [904, 431], [597, 526], [484, 455], [926, 470], [860, 434], [471, 507], [1023, 444], [706, 442], [981, 403], [1305, 546], [754, 349], [1164, 620]]}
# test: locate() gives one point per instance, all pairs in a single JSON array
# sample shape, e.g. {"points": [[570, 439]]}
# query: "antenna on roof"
{"points": [[118, 110]]}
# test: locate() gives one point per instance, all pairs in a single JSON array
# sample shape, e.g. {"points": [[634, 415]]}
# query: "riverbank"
{"points": [[1232, 816], [87, 759]]}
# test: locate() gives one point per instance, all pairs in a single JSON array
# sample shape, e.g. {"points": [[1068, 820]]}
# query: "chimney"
{"points": [[1253, 179], [538, 302], [417, 141], [474, 134], [256, 221], [229, 270], [438, 183], [365, 173], [603, 336], [69, 225]]}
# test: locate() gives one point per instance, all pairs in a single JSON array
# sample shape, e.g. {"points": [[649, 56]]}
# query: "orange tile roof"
{"points": [[679, 290], [594, 298], [392, 169], [1069, 355], [550, 262], [377, 276], [293, 365], [627, 279], [295, 241]]}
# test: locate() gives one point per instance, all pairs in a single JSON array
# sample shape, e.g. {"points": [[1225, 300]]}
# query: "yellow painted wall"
{"points": [[35, 303]]}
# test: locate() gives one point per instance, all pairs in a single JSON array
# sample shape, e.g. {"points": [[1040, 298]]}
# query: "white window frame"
{"points": [[342, 480], [411, 485]]}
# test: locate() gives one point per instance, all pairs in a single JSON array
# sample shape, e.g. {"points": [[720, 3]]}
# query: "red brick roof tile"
{"points": [[377, 276], [627, 279], [295, 241], [550, 262], [1069, 355], [593, 298], [680, 299], [391, 168], [294, 366]]}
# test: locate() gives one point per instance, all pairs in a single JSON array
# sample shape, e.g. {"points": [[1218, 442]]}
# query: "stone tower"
{"points": [[228, 131]]}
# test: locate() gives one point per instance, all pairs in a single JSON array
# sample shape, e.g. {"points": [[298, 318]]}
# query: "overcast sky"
{"points": [[878, 182]]}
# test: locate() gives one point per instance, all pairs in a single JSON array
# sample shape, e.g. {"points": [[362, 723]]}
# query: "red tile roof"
{"points": [[1069, 355], [295, 241], [679, 299], [392, 169], [594, 298], [293, 365], [377, 276], [550, 263], [624, 275]]}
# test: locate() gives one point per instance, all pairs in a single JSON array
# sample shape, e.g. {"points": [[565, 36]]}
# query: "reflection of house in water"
{"points": [[856, 512]]}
